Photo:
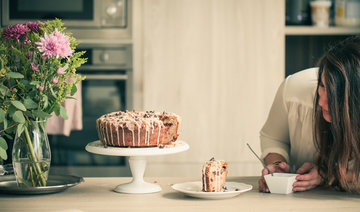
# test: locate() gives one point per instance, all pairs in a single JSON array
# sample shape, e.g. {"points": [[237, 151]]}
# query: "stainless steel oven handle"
{"points": [[106, 77]]}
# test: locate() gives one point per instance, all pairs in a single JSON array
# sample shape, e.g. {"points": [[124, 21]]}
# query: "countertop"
{"points": [[96, 194]]}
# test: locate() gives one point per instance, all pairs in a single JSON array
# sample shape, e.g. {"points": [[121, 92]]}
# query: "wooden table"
{"points": [[95, 194]]}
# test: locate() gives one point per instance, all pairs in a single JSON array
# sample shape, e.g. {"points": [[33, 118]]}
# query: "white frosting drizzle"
{"points": [[158, 139], [106, 133], [123, 135], [117, 134], [111, 135], [101, 131], [131, 121]]}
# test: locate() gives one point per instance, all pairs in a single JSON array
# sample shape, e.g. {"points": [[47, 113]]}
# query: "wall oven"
{"points": [[107, 88], [99, 19]]}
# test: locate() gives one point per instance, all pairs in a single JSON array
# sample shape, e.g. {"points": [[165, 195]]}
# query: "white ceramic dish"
{"points": [[194, 189], [280, 183]]}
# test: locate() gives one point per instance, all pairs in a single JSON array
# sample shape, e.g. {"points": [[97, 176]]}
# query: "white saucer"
{"points": [[194, 189]]}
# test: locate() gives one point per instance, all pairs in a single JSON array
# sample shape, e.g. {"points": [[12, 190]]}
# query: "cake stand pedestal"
{"points": [[137, 161]]}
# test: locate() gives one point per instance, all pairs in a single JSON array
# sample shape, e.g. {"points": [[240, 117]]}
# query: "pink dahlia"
{"points": [[55, 80], [15, 31], [60, 71], [41, 87], [35, 67], [56, 44]]}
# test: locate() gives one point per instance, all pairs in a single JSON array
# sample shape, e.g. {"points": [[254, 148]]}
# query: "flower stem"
{"points": [[36, 165]]}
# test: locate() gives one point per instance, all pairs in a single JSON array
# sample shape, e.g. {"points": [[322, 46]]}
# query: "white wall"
{"points": [[217, 64]]}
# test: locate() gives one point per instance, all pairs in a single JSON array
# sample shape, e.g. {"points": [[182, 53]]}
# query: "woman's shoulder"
{"points": [[301, 86]]}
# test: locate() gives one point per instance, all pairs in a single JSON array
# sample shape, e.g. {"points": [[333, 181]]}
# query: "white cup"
{"points": [[320, 13], [280, 183]]}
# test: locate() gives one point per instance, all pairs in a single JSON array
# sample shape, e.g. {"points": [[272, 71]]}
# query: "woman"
{"points": [[319, 140]]}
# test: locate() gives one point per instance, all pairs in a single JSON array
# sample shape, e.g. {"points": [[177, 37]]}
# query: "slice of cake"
{"points": [[171, 123], [214, 175]]}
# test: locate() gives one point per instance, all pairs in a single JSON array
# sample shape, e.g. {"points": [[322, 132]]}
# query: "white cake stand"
{"points": [[137, 161]]}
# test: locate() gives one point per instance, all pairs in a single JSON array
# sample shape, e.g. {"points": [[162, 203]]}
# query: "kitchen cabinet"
{"points": [[306, 44], [215, 63], [218, 65]]}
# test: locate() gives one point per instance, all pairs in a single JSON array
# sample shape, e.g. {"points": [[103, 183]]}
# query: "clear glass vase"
{"points": [[31, 155]]}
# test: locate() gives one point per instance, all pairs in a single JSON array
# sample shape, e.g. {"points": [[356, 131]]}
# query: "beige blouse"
{"points": [[288, 129]]}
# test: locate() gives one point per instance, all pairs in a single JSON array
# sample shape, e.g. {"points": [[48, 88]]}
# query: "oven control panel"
{"points": [[116, 57]]}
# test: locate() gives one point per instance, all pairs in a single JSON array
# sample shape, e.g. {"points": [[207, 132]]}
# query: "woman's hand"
{"points": [[282, 167], [308, 177]]}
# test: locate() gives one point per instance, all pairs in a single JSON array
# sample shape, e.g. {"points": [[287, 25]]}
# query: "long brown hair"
{"points": [[338, 142]]}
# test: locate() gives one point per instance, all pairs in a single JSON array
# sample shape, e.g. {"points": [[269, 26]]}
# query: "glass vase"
{"points": [[31, 155]]}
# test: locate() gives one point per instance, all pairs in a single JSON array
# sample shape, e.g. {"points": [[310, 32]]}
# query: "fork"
{"points": [[262, 162]]}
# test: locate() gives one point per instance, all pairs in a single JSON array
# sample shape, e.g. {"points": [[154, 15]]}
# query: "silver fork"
{"points": [[262, 162]]}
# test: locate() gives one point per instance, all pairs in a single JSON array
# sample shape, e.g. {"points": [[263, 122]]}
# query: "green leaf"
{"points": [[70, 97], [35, 83], [3, 143], [2, 115], [18, 105], [41, 114], [46, 101], [18, 117], [11, 110], [57, 109], [30, 104], [5, 123], [3, 154], [25, 82], [3, 90], [15, 75], [20, 129], [73, 90], [63, 113]]}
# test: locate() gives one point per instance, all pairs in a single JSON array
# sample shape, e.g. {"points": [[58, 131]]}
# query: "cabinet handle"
{"points": [[106, 77]]}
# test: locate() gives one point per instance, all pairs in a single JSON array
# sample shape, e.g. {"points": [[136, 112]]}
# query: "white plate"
{"points": [[194, 189]]}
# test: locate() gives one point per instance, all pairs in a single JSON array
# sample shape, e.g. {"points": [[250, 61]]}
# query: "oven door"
{"points": [[74, 13], [102, 92]]}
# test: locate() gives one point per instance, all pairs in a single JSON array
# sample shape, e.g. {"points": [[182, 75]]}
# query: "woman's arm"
{"points": [[274, 138], [274, 135]]}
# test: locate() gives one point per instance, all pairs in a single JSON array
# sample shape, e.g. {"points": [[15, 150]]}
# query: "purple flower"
{"points": [[35, 67], [33, 26], [60, 70], [29, 55], [56, 44], [15, 31]]}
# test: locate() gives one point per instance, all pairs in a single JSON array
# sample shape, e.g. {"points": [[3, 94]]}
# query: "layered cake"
{"points": [[138, 129], [214, 175]]}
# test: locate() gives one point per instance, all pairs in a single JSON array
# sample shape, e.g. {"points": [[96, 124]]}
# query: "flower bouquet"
{"points": [[37, 73]]}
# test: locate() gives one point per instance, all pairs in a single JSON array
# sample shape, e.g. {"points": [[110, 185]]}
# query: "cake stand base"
{"points": [[137, 162], [137, 188], [137, 185]]}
